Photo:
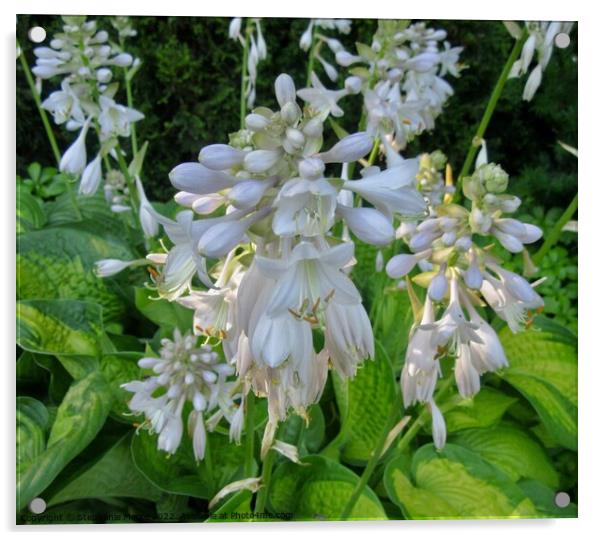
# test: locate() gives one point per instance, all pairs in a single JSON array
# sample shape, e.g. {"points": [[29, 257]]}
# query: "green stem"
{"points": [[374, 152], [370, 466], [128, 180], [493, 99], [36, 97], [312, 55], [208, 461], [554, 235], [249, 434], [243, 76], [47, 128], [266, 476], [128, 91]]}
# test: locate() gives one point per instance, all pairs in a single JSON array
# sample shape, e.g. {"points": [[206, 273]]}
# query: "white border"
{"points": [[590, 376]]}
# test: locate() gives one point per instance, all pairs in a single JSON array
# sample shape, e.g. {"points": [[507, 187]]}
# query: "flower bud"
{"points": [[219, 239], [350, 148], [256, 122], [285, 90], [74, 159], [196, 178], [400, 265], [290, 113], [464, 243], [437, 426], [368, 224], [438, 286], [259, 161], [248, 193], [104, 75], [220, 156], [122, 60], [345, 59], [109, 267], [353, 85], [311, 168], [533, 83], [91, 177]]}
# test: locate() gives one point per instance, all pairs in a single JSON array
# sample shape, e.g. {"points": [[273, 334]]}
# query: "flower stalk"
{"points": [[491, 104], [555, 233]]}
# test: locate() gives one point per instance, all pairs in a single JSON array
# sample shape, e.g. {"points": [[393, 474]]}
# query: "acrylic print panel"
{"points": [[295, 269]]}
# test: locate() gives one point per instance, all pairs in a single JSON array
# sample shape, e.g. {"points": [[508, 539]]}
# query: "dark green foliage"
{"points": [[189, 88]]}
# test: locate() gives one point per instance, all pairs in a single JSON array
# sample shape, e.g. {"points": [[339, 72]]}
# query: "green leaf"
{"points": [[118, 369], [59, 327], [30, 213], [79, 418], [58, 263], [310, 436], [180, 473], [483, 410], [543, 367], [362, 425], [95, 211], [511, 450], [113, 475], [175, 473], [32, 421], [543, 498], [454, 483], [168, 315], [319, 488]]}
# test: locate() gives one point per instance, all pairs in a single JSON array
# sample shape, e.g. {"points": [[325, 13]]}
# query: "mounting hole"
{"points": [[37, 34], [37, 506], [562, 40], [562, 499]]}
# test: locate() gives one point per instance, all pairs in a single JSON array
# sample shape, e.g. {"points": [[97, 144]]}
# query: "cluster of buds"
{"points": [[461, 275], [540, 41], [267, 210], [186, 372], [257, 51], [83, 56], [402, 80], [312, 34]]}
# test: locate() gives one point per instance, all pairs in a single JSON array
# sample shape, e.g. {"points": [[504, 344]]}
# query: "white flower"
{"points": [[322, 100], [74, 159], [148, 221], [438, 426], [91, 177], [109, 267], [186, 373], [115, 119], [392, 191], [349, 148], [234, 28], [368, 224]]}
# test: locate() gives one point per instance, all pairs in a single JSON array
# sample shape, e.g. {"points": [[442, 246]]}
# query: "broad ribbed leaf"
{"points": [[365, 403], [32, 421], [484, 410], [58, 263], [320, 489], [454, 483], [180, 473], [79, 418], [113, 475], [59, 327], [512, 450], [543, 367]]}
